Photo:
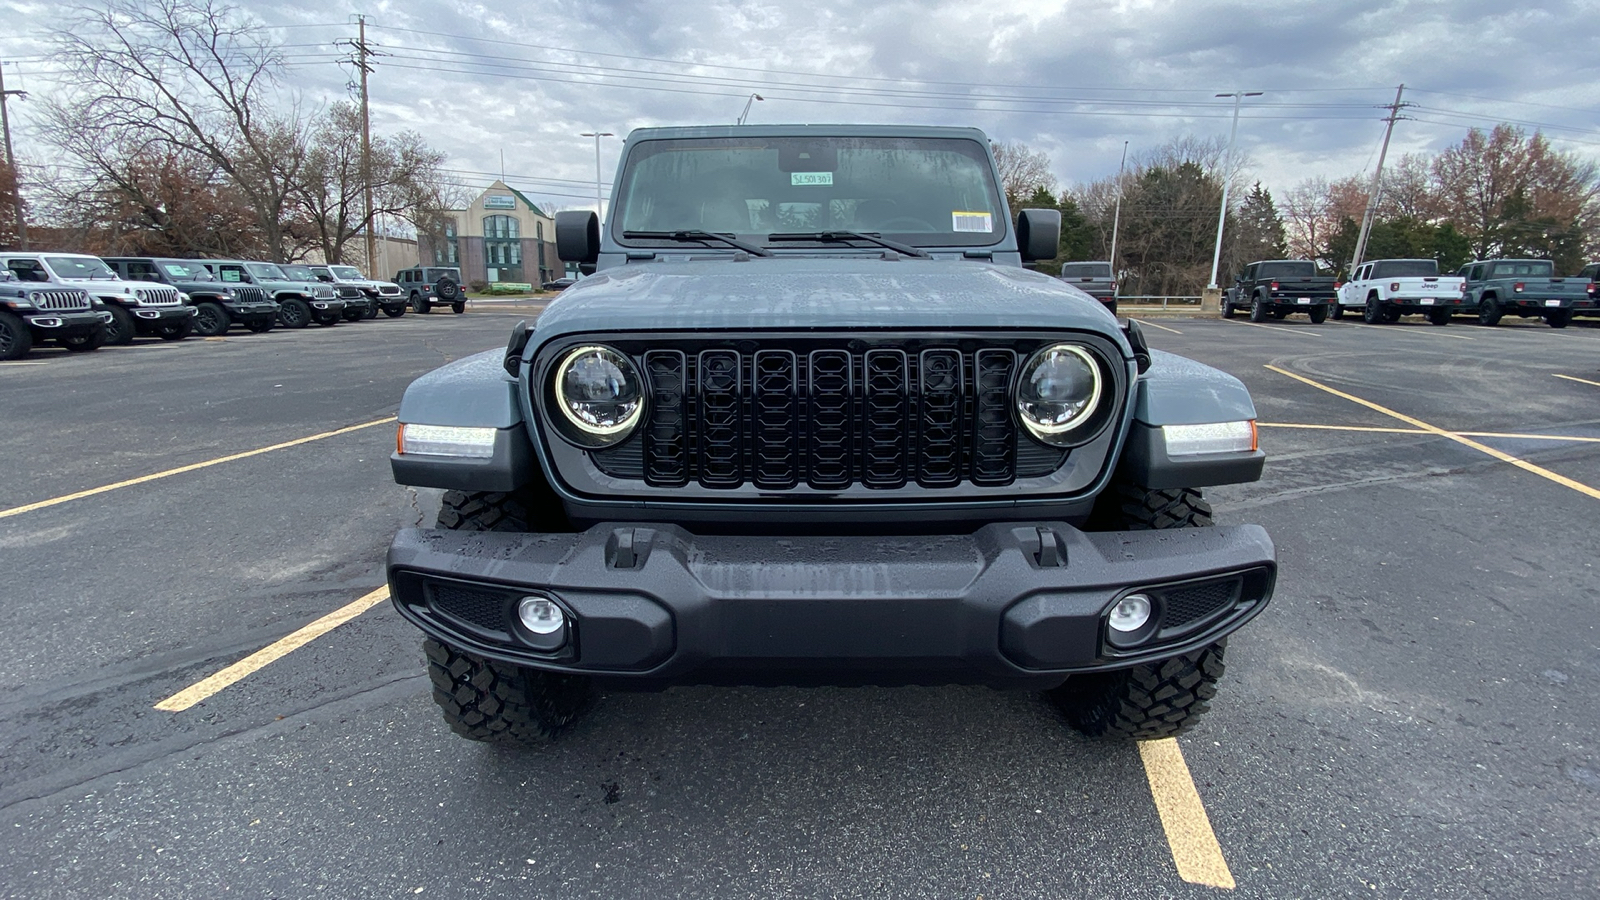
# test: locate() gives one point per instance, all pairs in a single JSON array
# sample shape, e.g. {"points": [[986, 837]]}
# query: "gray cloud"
{"points": [[1143, 71]]}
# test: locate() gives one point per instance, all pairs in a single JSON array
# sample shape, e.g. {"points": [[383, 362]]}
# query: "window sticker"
{"points": [[799, 178], [980, 222]]}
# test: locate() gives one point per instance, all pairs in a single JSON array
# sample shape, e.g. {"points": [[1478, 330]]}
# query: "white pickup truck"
{"points": [[1386, 289]]}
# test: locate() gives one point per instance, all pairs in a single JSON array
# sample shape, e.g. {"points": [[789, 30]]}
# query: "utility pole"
{"points": [[1377, 181], [11, 159], [364, 52], [597, 135], [1116, 218], [1227, 179]]}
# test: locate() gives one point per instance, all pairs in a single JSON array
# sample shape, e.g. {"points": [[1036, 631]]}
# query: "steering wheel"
{"points": [[916, 223]]}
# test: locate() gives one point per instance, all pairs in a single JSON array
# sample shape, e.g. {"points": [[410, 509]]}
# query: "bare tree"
{"points": [[190, 76], [406, 179], [8, 194], [1022, 172]]}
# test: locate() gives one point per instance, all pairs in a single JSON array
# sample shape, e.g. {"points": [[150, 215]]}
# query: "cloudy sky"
{"points": [[1074, 79]]}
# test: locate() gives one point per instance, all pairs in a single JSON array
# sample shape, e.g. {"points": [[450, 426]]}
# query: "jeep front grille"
{"points": [[158, 296], [250, 294], [60, 300], [389, 290], [829, 417], [350, 292]]}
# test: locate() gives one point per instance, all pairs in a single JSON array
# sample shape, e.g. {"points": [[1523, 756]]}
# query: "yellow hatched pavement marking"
{"points": [[274, 651], [1458, 437], [1194, 845], [66, 498], [1573, 378]]}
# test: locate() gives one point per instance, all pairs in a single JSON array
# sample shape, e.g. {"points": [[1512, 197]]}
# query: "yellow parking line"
{"points": [[1162, 327], [1276, 328], [1183, 817], [1458, 437], [1486, 434], [1571, 378], [205, 687], [65, 498]]}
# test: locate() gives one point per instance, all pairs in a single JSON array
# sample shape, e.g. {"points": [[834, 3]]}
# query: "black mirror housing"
{"points": [[1038, 233], [577, 236]]}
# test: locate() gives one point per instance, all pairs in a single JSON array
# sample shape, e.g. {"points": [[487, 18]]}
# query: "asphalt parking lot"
{"points": [[1415, 715]]}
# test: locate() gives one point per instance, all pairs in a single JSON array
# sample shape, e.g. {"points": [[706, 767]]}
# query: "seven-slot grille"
{"points": [[389, 290], [829, 418], [158, 296], [60, 300], [350, 292], [250, 294]]}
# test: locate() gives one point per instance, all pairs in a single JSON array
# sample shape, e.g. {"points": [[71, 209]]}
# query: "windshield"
{"points": [[1405, 268], [922, 191], [1535, 267], [348, 273], [266, 271], [1287, 270], [177, 268], [299, 273], [75, 268], [1086, 270], [436, 274]]}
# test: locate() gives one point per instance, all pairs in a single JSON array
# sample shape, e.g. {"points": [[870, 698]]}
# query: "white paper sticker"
{"points": [[980, 222], [797, 178]]}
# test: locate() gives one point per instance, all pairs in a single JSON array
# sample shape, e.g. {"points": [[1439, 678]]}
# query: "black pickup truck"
{"points": [[1278, 287]]}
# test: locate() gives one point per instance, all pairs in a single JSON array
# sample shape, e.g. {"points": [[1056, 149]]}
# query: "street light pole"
{"points": [[753, 98], [1116, 218], [11, 160], [1227, 178], [597, 135]]}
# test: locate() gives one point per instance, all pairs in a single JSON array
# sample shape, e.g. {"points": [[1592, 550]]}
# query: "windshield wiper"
{"points": [[700, 236], [841, 236]]}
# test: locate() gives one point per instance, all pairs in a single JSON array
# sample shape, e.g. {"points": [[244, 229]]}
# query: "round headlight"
{"points": [[1058, 392], [600, 395]]}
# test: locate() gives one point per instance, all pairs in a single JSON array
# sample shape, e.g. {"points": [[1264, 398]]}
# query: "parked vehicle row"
{"points": [[1383, 290], [84, 302]]}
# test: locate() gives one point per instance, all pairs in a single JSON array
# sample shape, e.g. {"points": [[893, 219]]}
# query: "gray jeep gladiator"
{"points": [[812, 421], [33, 311]]}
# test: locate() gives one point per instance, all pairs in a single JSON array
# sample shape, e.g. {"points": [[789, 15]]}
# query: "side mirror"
{"points": [[577, 236], [1038, 233], [586, 268]]}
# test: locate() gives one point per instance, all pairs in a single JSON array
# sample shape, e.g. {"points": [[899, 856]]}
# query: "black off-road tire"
{"points": [[354, 314], [372, 311], [84, 343], [1439, 317], [1373, 313], [1559, 318], [175, 330], [1489, 311], [211, 319], [529, 509], [458, 307], [260, 326], [1156, 700], [1258, 310], [1132, 507], [15, 339], [496, 702], [419, 304], [1227, 310], [1319, 314], [294, 313], [1392, 314], [1338, 312], [394, 312], [122, 329]]}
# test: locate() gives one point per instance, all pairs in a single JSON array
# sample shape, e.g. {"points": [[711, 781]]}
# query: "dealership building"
{"points": [[500, 237]]}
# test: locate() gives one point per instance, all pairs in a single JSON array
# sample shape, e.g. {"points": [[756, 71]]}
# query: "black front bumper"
{"points": [[1007, 604], [150, 319], [248, 310], [47, 324]]}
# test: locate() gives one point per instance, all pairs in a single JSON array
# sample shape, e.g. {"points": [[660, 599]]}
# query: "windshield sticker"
{"points": [[798, 178], [971, 221]]}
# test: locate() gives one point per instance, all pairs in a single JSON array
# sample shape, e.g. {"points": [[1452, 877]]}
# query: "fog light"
{"points": [[1129, 615], [544, 622]]}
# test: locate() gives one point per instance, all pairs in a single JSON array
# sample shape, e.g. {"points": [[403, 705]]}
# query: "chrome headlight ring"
{"points": [[599, 394], [1059, 392]]}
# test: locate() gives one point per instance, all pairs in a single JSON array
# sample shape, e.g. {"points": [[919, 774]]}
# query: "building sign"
{"points": [[499, 201]]}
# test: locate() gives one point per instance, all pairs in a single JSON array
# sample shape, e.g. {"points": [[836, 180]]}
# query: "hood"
{"points": [[823, 295]]}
